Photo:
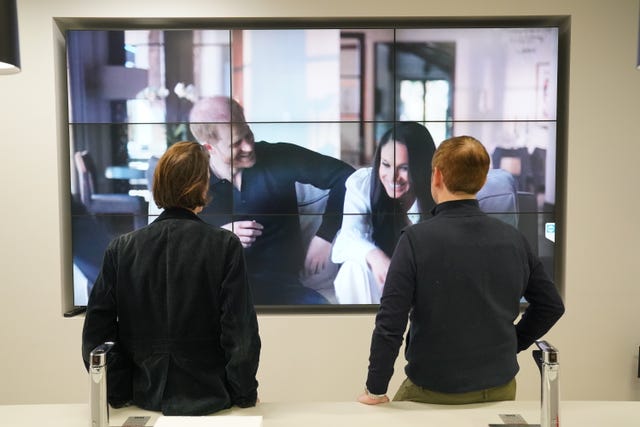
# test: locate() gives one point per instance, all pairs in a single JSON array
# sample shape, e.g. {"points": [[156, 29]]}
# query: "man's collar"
{"points": [[455, 204], [177, 213]]}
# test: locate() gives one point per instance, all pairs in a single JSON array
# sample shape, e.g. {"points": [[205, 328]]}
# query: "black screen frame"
{"points": [[63, 24]]}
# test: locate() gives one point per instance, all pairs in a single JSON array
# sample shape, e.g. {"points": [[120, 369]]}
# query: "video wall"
{"points": [[326, 154]]}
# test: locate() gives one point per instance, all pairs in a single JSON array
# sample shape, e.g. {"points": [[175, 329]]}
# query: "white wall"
{"points": [[324, 357]]}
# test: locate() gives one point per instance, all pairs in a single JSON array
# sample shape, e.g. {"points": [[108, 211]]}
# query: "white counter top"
{"points": [[352, 414]]}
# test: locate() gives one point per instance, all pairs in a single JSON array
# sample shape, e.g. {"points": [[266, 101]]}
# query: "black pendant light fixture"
{"points": [[9, 46]]}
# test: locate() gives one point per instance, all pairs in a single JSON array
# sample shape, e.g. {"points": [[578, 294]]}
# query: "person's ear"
{"points": [[437, 177]]}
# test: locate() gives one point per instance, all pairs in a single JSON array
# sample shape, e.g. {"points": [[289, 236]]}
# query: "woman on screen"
{"points": [[380, 201], [175, 299]]}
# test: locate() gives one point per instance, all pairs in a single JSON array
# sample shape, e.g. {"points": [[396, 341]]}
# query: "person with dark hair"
{"points": [[458, 278], [381, 201], [174, 297], [253, 185]]}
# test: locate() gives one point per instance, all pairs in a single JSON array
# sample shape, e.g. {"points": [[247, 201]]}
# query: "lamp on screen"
{"points": [[9, 47]]}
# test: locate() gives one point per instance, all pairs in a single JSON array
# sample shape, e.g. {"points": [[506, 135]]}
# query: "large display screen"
{"points": [[328, 143]]}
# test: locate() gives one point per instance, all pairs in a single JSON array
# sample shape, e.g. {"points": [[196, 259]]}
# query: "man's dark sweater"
{"points": [[459, 277], [268, 196]]}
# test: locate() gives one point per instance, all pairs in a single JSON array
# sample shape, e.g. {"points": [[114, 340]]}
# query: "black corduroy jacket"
{"points": [[175, 299]]}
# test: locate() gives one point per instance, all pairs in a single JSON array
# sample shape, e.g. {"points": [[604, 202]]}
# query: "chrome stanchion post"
{"points": [[547, 360], [99, 405]]}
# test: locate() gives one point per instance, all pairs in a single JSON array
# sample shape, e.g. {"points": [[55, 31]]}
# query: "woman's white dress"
{"points": [[355, 283]]}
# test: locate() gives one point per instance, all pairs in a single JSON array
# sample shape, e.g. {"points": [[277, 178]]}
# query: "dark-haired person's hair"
{"points": [[386, 213], [181, 178], [464, 164]]}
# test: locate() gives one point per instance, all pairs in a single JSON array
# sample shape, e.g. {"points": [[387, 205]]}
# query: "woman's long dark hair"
{"points": [[387, 215]]}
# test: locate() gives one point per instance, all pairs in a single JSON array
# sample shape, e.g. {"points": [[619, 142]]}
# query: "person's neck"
{"points": [[225, 171], [447, 196]]}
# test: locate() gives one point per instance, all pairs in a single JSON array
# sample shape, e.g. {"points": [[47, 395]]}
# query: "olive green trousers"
{"points": [[414, 393]]}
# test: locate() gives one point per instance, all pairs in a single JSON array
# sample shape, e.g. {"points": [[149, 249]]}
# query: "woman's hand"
{"points": [[378, 262], [317, 256]]}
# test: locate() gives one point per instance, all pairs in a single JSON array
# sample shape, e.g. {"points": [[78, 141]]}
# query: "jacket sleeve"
{"points": [[239, 329], [101, 325], [392, 317], [545, 305]]}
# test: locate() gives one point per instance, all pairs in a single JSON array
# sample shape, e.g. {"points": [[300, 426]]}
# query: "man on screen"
{"points": [[253, 194], [459, 276]]}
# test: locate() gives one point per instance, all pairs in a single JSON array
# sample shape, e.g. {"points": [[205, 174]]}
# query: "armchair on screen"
{"points": [[500, 198], [106, 203], [312, 202]]}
